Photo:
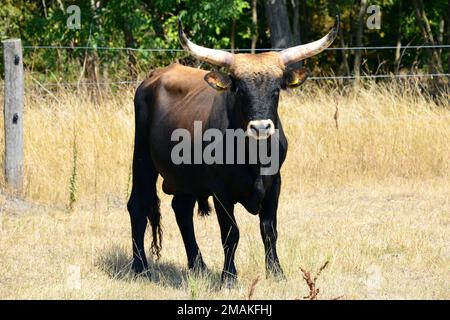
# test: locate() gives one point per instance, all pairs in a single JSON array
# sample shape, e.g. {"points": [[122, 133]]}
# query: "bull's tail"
{"points": [[154, 218]]}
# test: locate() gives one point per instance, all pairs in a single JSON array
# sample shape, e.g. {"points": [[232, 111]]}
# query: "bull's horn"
{"points": [[301, 52], [217, 57]]}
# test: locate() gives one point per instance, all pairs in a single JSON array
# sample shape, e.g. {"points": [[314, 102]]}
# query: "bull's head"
{"points": [[256, 79]]}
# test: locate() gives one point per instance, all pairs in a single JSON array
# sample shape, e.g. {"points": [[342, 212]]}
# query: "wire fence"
{"points": [[312, 78], [237, 49], [366, 77]]}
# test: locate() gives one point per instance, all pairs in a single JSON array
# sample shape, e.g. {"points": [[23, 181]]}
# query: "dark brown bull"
{"points": [[246, 98]]}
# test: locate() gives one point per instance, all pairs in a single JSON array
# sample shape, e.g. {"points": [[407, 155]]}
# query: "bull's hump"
{"points": [[181, 80]]}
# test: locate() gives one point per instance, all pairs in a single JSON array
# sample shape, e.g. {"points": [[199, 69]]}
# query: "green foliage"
{"points": [[147, 24]]}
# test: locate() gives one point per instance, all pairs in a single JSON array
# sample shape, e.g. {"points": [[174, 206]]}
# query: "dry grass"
{"points": [[373, 198]]}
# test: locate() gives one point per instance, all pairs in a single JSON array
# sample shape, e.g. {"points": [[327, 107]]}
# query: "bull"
{"points": [[245, 98]]}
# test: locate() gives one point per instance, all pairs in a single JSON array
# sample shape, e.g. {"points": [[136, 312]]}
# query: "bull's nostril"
{"points": [[261, 129]]}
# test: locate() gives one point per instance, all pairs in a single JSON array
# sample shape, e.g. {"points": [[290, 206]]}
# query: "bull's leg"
{"points": [[268, 228], [229, 232], [183, 206], [143, 201]]}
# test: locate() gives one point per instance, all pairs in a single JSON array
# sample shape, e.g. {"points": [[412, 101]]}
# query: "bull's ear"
{"points": [[218, 81], [295, 78]]}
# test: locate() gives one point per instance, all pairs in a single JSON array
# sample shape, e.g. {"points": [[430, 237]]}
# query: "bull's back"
{"points": [[176, 97]]}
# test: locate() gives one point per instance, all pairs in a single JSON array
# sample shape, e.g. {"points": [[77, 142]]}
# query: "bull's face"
{"points": [[256, 79]]}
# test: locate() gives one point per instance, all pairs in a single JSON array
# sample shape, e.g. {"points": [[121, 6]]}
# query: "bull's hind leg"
{"points": [[143, 205], [183, 206]]}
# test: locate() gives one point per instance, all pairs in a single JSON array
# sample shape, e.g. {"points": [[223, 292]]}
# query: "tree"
{"points": [[278, 21], [359, 37], [255, 24], [448, 33], [434, 59], [144, 24], [282, 34]]}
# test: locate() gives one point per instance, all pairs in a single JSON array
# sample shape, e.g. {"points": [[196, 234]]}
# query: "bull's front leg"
{"points": [[268, 228], [230, 237]]}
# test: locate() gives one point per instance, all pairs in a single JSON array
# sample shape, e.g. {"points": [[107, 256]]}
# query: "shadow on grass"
{"points": [[116, 263]]}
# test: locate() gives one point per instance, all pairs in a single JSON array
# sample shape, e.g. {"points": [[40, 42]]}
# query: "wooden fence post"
{"points": [[13, 113]]}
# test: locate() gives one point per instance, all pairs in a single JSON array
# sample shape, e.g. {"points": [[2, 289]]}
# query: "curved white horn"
{"points": [[301, 52], [217, 57]]}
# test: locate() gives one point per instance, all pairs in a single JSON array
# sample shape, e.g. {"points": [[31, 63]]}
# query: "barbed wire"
{"points": [[382, 76], [312, 78], [92, 83], [445, 46], [137, 82]]}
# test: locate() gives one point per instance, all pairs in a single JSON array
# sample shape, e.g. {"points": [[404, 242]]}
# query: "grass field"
{"points": [[372, 197]]}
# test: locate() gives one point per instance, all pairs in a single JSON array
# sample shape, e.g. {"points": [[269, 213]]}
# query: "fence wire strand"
{"points": [[137, 82], [318, 78], [445, 46]]}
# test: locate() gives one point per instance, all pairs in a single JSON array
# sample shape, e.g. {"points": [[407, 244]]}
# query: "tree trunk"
{"points": [[359, 36], [91, 59], [345, 66], [306, 18], [61, 5], [278, 21], [434, 59], [130, 42], [399, 37], [296, 32], [232, 37], [448, 33], [440, 37], [344, 53], [44, 5], [255, 24]]}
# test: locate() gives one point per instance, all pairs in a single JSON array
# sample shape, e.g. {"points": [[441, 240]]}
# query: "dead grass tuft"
{"points": [[251, 288]]}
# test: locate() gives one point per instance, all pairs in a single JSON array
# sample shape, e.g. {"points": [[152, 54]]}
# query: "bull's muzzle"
{"points": [[260, 129]]}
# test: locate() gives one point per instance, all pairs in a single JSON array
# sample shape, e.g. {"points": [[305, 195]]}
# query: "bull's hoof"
{"points": [[198, 268], [276, 273], [139, 267], [229, 281]]}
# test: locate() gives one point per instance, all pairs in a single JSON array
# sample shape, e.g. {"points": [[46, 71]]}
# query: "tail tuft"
{"points": [[204, 208], [155, 221]]}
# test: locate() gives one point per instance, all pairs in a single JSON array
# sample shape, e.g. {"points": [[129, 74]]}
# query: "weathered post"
{"points": [[13, 113]]}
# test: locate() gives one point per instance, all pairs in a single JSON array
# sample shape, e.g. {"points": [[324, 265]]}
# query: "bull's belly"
{"points": [[179, 178], [202, 179], [188, 179]]}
